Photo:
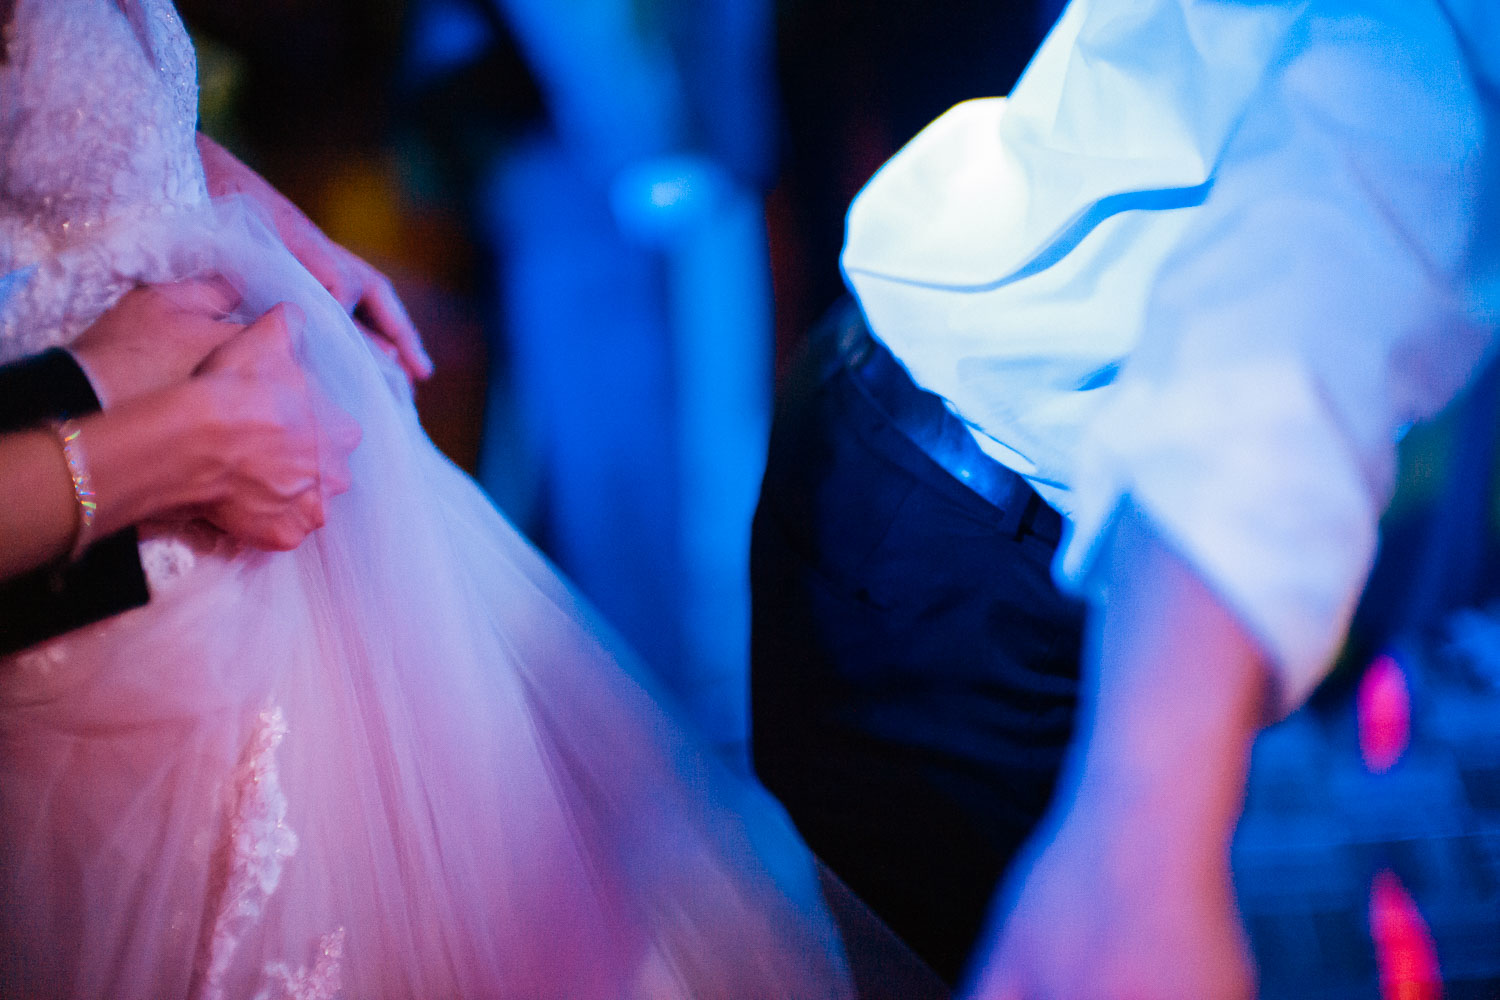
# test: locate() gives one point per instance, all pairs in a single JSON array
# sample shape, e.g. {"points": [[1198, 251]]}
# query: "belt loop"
{"points": [[1028, 516]]}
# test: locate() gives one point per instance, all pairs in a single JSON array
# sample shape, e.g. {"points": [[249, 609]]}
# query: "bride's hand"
{"points": [[368, 296], [360, 289], [281, 448]]}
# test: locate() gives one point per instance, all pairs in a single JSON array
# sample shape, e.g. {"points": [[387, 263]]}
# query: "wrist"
{"points": [[153, 456], [85, 500]]}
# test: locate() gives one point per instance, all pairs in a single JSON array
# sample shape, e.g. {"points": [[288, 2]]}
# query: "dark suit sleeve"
{"points": [[108, 578]]}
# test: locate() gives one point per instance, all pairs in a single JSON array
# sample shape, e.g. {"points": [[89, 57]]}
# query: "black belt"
{"points": [[924, 420]]}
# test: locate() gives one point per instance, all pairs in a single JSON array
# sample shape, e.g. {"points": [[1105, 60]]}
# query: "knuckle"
{"points": [[312, 509], [285, 321], [286, 538]]}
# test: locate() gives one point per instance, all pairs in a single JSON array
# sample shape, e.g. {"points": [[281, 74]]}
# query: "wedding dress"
{"points": [[401, 761]]}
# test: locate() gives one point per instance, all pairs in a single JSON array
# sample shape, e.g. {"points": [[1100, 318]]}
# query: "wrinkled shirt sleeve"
{"points": [[1338, 283]]}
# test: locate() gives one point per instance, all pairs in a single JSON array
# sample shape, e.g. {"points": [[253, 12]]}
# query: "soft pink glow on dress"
{"points": [[1384, 707]]}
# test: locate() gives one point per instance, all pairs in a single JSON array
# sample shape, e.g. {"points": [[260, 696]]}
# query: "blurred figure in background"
{"points": [[583, 183], [618, 203], [636, 298]]}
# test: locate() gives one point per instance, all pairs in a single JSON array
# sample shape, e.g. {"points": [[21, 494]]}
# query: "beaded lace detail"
{"points": [[322, 982], [169, 552], [98, 112], [252, 856]]}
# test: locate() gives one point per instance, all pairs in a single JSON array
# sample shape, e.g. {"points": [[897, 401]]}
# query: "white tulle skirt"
{"points": [[401, 761]]}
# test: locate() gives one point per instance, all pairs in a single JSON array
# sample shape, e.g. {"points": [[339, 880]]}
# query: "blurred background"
{"points": [[613, 220]]}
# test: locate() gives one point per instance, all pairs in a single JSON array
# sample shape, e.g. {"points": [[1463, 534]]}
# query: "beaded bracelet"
{"points": [[69, 435]]}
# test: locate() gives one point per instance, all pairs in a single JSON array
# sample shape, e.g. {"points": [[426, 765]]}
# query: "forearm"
{"points": [[145, 458], [1180, 691], [151, 456], [128, 455], [38, 516], [1127, 893]]}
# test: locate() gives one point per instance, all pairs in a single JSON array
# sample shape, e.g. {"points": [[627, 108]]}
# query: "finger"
{"points": [[222, 295], [336, 425], [278, 325], [381, 343], [308, 514], [334, 448], [324, 259], [279, 331], [290, 316], [388, 350], [344, 287], [337, 435], [385, 313], [346, 433], [287, 534], [335, 480], [288, 527], [264, 348]]}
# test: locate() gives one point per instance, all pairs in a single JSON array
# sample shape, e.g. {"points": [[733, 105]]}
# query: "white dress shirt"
{"points": [[1210, 258]]}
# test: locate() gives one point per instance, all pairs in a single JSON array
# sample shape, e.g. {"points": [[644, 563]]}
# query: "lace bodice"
{"points": [[98, 112]]}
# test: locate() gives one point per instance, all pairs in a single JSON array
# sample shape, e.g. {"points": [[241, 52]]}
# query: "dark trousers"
{"points": [[914, 670]]}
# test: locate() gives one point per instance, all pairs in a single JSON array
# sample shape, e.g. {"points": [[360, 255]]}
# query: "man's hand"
{"points": [[364, 292], [281, 448], [245, 442], [155, 337], [1128, 895]]}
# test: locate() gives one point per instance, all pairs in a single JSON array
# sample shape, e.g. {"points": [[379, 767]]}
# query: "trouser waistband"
{"points": [[923, 419]]}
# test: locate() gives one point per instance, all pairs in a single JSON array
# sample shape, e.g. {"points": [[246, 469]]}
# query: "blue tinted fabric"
{"points": [[1212, 257]]}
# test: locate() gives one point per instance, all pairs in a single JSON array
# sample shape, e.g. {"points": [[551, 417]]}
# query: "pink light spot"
{"points": [[1384, 709], [1404, 951]]}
